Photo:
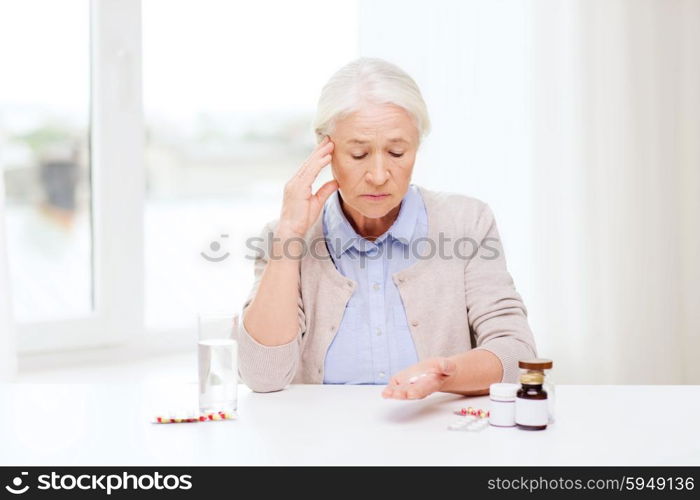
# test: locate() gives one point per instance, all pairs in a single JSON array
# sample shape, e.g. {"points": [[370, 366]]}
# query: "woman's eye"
{"points": [[395, 155]]}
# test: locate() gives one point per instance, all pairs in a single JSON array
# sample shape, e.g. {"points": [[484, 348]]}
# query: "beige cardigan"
{"points": [[452, 305]]}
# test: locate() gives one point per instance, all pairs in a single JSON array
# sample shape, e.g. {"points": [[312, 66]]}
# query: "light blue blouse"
{"points": [[373, 340]]}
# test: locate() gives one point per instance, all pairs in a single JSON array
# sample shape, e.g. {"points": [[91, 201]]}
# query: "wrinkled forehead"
{"points": [[391, 138], [386, 123]]}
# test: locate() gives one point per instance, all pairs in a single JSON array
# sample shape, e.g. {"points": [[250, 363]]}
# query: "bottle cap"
{"points": [[535, 364], [503, 391]]}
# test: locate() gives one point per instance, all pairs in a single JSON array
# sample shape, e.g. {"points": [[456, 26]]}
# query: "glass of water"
{"points": [[217, 362]]}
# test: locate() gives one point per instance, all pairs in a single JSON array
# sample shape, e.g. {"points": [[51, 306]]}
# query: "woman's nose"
{"points": [[377, 172]]}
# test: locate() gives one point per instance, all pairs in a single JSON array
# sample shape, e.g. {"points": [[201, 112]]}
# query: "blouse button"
{"points": [[415, 322], [332, 327]]}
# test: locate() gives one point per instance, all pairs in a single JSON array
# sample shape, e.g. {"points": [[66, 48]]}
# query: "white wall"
{"points": [[8, 357], [577, 121]]}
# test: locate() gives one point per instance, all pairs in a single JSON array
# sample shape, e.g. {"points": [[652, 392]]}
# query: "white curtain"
{"points": [[579, 122], [8, 356], [616, 159]]}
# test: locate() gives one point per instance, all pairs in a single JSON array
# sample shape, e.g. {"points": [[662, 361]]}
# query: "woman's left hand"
{"points": [[420, 380]]}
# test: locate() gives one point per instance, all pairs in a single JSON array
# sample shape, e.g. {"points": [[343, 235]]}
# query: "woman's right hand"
{"points": [[300, 207]]}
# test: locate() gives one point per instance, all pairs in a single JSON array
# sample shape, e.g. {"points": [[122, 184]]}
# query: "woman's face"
{"points": [[374, 152]]}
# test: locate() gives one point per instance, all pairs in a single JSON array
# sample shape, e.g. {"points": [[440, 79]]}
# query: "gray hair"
{"points": [[368, 80]]}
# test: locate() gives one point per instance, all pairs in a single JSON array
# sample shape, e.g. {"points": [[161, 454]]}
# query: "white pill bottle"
{"points": [[502, 404]]}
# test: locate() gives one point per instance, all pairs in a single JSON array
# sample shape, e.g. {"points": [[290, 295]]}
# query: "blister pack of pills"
{"points": [[469, 423]]}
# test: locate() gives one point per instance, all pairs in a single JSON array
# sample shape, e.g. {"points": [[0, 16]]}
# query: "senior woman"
{"points": [[373, 279]]}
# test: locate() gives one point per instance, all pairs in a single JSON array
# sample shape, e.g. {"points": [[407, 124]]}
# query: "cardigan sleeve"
{"points": [[496, 312], [267, 368]]}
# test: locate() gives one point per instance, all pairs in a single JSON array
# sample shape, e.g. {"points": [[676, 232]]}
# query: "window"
{"points": [[71, 134], [44, 156], [145, 138]]}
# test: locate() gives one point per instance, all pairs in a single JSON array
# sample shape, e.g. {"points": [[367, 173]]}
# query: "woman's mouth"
{"points": [[375, 197]]}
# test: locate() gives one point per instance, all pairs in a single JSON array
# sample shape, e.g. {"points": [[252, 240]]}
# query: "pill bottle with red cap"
{"points": [[532, 409]]}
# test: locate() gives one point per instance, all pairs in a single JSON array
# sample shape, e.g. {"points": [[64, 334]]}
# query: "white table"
{"points": [[107, 424]]}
